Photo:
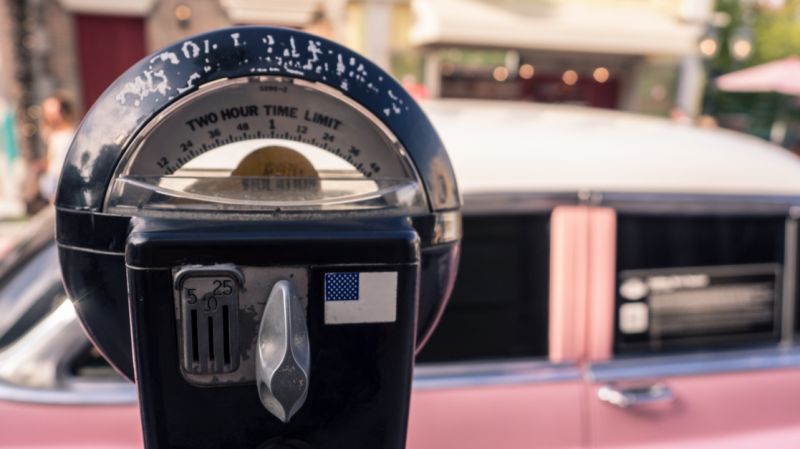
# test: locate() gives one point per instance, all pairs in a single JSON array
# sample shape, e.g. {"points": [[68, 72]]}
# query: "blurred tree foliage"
{"points": [[776, 34]]}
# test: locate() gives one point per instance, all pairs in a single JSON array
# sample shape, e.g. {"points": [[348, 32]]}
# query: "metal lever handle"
{"points": [[635, 396], [283, 359]]}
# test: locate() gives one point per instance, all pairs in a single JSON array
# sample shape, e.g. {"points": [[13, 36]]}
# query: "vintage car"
{"points": [[625, 282]]}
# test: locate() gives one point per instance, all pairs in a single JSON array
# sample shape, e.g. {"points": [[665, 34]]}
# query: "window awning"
{"points": [[630, 28], [290, 13], [114, 8]]}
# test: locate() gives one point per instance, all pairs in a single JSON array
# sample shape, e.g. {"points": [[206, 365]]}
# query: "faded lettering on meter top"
{"points": [[270, 110]]}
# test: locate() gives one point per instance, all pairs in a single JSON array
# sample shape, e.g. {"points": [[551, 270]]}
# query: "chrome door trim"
{"points": [[476, 374], [426, 378], [659, 367], [81, 393]]}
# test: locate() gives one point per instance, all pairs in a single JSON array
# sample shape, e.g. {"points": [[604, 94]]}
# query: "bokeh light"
{"points": [[601, 74], [570, 77], [526, 71], [500, 73]]}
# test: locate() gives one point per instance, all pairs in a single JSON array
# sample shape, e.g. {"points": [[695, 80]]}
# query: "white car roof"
{"points": [[517, 147]]}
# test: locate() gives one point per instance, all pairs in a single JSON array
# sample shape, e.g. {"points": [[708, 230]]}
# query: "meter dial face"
{"points": [[265, 144]]}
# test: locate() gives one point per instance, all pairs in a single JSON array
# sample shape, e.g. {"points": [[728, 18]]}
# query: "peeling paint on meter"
{"points": [[209, 318]]}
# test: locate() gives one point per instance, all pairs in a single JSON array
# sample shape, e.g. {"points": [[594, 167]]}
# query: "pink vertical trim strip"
{"points": [[602, 280], [569, 241]]}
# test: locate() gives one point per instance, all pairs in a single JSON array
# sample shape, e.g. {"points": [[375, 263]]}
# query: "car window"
{"points": [[499, 307]]}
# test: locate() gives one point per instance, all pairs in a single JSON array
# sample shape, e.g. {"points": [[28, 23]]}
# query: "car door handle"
{"points": [[635, 396]]}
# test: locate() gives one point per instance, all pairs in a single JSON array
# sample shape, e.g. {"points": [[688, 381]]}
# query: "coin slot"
{"points": [[195, 350], [208, 322], [226, 336], [211, 339]]}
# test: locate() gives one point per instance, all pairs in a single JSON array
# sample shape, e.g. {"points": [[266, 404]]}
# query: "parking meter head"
{"points": [[276, 223]]}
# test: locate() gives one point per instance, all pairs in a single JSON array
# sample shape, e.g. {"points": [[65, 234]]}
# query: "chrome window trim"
{"points": [[698, 203], [78, 393], [633, 202], [435, 376], [701, 363], [510, 203], [789, 287]]}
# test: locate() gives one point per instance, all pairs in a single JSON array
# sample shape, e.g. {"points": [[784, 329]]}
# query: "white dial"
{"points": [[199, 148]]}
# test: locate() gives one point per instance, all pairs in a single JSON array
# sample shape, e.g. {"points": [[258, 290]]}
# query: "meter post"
{"points": [[261, 228]]}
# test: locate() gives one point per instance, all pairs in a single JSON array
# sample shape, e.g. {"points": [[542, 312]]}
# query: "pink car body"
{"points": [[583, 391], [73, 426], [736, 400]]}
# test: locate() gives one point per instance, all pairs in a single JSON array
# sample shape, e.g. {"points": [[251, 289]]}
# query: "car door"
{"points": [[699, 352], [485, 379]]}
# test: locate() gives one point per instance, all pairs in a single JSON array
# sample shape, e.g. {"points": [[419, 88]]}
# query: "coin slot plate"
{"points": [[234, 361], [208, 304]]}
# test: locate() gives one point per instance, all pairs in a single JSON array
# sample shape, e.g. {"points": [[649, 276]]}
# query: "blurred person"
{"points": [[58, 128], [11, 165]]}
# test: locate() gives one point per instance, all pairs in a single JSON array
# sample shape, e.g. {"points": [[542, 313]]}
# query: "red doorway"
{"points": [[107, 46]]}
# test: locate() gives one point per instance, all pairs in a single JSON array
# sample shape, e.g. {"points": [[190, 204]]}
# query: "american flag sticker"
{"points": [[360, 297]]}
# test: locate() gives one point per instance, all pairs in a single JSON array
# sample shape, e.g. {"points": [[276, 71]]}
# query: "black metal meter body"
{"points": [[276, 224]]}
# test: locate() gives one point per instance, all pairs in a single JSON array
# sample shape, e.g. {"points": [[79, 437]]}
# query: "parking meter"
{"points": [[260, 227]]}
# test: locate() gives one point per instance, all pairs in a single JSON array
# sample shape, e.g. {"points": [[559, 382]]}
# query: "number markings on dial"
{"points": [[261, 110], [170, 167]]}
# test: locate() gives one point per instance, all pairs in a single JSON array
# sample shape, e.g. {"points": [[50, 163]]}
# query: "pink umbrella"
{"points": [[782, 76]]}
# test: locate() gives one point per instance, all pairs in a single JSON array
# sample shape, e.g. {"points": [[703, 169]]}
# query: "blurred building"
{"points": [[109, 36], [79, 47], [639, 55], [636, 55]]}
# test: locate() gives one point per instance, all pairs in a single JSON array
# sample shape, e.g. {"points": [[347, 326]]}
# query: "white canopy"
{"points": [[292, 13], [117, 7], [514, 146], [632, 28]]}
